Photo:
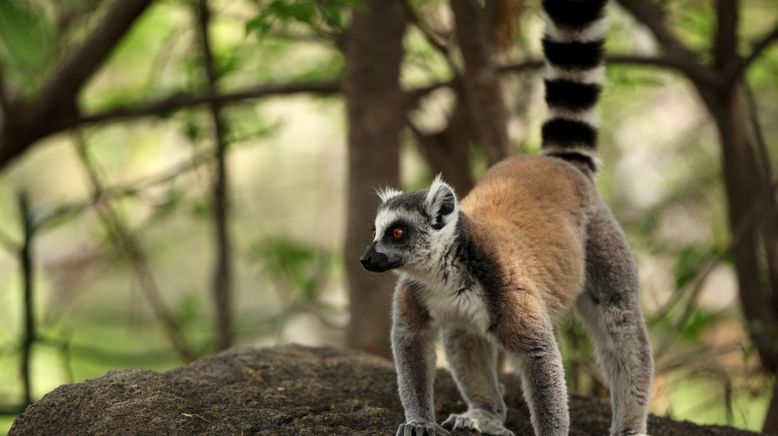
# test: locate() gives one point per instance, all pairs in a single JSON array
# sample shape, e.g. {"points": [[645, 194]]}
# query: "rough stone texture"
{"points": [[283, 390]]}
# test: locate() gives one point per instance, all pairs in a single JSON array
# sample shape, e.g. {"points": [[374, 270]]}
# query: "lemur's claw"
{"points": [[421, 429]]}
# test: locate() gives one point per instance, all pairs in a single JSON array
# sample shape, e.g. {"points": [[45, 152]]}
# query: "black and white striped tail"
{"points": [[573, 46]]}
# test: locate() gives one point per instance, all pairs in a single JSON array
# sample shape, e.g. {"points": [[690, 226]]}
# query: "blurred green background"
{"points": [[147, 227]]}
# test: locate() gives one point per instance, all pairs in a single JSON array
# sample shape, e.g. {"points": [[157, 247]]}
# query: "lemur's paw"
{"points": [[421, 429], [479, 420]]}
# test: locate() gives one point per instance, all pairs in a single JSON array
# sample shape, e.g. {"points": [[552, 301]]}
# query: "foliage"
{"points": [[27, 41], [321, 16]]}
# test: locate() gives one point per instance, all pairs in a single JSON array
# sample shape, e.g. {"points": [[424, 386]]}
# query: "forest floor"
{"points": [[279, 390]]}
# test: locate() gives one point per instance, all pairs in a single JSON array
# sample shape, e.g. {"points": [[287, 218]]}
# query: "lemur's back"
{"points": [[533, 211]]}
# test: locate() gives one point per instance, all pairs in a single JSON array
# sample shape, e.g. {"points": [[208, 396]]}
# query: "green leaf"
{"points": [[25, 39], [313, 13], [300, 266], [260, 24], [690, 261]]}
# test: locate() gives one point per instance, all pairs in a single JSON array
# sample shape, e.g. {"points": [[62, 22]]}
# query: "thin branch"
{"points": [[4, 103], [740, 65], [665, 62], [441, 47], [62, 86], [126, 242], [26, 267], [168, 105], [756, 126], [653, 18], [222, 273], [174, 103], [756, 213], [128, 189], [650, 15]]}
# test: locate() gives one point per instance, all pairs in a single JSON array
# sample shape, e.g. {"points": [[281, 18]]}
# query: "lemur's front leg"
{"points": [[532, 346], [473, 363], [414, 357]]}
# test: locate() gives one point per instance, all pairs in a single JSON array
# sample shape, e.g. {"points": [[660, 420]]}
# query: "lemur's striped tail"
{"points": [[573, 45]]}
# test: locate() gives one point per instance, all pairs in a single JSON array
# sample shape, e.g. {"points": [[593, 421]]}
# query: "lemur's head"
{"points": [[411, 228]]}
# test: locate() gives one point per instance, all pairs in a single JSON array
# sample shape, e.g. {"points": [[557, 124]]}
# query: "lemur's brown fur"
{"points": [[533, 211]]}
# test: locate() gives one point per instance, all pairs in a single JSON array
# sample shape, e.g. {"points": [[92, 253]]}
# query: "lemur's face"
{"points": [[409, 226]]}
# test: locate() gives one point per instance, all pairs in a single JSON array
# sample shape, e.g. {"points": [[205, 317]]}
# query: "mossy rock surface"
{"points": [[284, 390]]}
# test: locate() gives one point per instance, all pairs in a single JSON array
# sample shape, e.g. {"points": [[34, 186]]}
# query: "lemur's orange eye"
{"points": [[398, 234]]}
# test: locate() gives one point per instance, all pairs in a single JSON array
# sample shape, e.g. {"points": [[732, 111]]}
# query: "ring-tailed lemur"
{"points": [[532, 239]]}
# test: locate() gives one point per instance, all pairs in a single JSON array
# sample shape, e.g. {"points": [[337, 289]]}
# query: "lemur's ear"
{"points": [[441, 203]]}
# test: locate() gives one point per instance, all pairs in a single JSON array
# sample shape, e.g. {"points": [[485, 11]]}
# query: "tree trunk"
{"points": [[376, 112], [742, 182], [482, 82], [448, 151], [744, 196]]}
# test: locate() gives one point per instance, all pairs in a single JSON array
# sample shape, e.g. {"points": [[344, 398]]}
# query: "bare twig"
{"points": [[653, 17], [222, 272], [128, 189], [26, 268], [431, 38], [174, 103], [754, 216], [159, 108], [738, 66], [650, 15], [756, 126], [127, 243]]}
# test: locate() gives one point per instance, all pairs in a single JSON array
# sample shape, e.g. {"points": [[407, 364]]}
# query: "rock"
{"points": [[284, 390]]}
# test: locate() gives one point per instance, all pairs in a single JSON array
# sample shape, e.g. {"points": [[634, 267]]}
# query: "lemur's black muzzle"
{"points": [[374, 261]]}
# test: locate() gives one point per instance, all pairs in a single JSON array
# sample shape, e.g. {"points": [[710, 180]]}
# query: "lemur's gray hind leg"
{"points": [[473, 363], [610, 308]]}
